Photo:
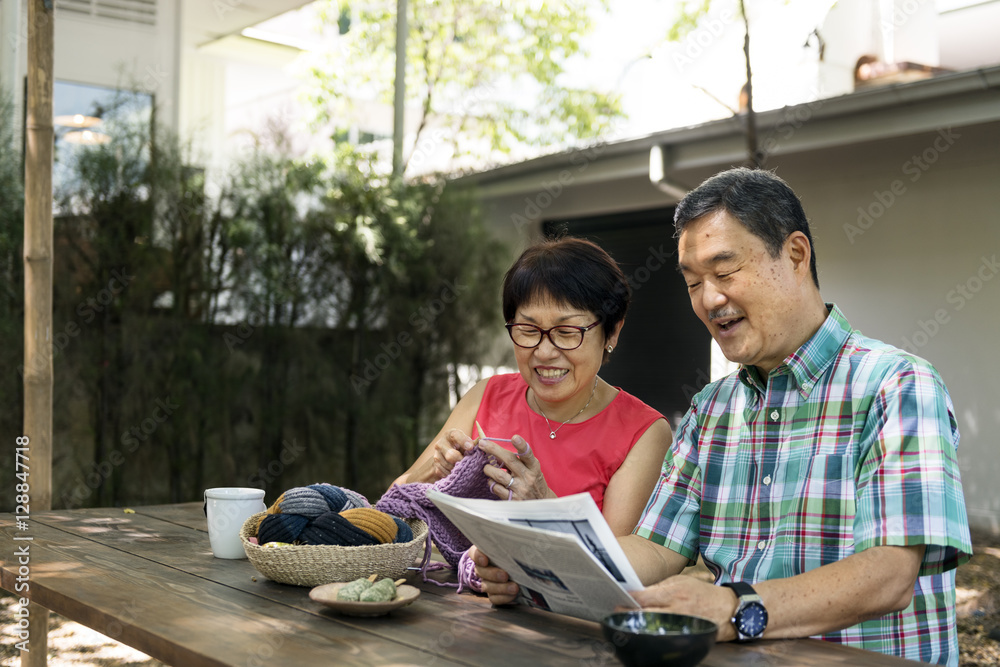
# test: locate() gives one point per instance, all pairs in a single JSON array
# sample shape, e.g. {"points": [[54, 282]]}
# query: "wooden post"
{"points": [[399, 94], [38, 287]]}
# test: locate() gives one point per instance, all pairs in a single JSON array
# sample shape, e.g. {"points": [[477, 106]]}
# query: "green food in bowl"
{"points": [[647, 638]]}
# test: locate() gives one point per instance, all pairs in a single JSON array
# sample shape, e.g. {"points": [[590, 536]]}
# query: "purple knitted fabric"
{"points": [[466, 480]]}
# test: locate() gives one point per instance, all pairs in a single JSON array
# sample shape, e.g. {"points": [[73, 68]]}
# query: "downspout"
{"points": [[661, 160]]}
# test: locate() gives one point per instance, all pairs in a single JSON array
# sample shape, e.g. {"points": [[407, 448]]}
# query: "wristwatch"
{"points": [[750, 619]]}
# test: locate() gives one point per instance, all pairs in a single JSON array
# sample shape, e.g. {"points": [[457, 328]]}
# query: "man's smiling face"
{"points": [[748, 300]]}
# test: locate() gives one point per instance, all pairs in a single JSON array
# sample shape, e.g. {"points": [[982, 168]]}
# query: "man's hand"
{"points": [[682, 594], [496, 582], [868, 584]]}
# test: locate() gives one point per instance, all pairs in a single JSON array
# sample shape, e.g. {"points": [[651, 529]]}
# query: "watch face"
{"points": [[751, 620]]}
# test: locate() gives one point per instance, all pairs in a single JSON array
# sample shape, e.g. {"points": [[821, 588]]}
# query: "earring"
{"points": [[610, 348]]}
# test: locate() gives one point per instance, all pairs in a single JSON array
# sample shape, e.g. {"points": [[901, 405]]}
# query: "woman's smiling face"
{"points": [[556, 375]]}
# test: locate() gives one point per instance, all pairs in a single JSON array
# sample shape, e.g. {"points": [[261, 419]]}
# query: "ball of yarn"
{"points": [[377, 524], [316, 499], [327, 514], [281, 528], [333, 528], [354, 499], [404, 533]]}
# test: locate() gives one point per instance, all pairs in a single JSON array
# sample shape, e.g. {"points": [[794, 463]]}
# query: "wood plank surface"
{"points": [[149, 579], [444, 615], [185, 620]]}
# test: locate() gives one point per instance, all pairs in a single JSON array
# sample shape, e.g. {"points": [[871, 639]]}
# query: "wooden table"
{"points": [[149, 580]]}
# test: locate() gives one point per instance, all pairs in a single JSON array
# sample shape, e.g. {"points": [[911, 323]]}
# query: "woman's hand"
{"points": [[496, 583], [522, 479], [449, 449]]}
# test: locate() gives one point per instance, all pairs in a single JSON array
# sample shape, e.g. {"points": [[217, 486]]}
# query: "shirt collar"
{"points": [[808, 363]]}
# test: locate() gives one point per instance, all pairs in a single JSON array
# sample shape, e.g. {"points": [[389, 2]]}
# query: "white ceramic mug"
{"points": [[228, 508]]}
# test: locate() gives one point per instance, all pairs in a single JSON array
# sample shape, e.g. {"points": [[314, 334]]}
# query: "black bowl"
{"points": [[647, 638]]}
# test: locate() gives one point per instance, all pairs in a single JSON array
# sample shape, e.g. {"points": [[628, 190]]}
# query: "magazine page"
{"points": [[574, 515], [555, 569]]}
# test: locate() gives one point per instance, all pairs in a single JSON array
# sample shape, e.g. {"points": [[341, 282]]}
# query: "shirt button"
{"points": [[762, 545], [767, 480], [774, 415]]}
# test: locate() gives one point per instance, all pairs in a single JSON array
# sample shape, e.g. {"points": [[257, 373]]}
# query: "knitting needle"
{"points": [[483, 436]]}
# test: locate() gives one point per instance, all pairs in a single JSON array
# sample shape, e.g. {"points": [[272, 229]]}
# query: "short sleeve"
{"points": [[672, 515], [909, 486]]}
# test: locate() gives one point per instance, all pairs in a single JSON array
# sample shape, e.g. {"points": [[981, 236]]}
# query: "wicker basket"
{"points": [[314, 565]]}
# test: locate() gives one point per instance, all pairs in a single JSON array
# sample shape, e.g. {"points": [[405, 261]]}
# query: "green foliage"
{"points": [[296, 325], [464, 60], [11, 273], [690, 12]]}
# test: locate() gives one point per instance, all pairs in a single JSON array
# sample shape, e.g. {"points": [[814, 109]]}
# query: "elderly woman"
{"points": [[564, 302]]}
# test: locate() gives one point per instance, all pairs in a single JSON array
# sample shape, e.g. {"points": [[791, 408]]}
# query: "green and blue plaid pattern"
{"points": [[848, 444]]}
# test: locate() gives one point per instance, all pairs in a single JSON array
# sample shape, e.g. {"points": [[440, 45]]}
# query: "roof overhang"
{"points": [[205, 21], [949, 100]]}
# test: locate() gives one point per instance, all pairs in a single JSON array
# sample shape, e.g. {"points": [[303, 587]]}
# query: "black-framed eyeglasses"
{"points": [[565, 336]]}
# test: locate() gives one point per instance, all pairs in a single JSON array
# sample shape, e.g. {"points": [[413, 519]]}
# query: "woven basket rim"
{"points": [[413, 523], [312, 565]]}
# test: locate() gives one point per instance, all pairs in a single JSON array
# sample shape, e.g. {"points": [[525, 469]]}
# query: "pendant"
{"points": [[552, 435]]}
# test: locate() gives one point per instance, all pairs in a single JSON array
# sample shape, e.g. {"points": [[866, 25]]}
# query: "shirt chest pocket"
{"points": [[817, 525]]}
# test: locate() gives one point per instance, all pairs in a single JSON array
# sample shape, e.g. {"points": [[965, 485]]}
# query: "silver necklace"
{"points": [[552, 433]]}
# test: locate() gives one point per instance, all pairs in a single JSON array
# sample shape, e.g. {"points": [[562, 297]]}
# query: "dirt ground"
{"points": [[978, 586], [978, 583]]}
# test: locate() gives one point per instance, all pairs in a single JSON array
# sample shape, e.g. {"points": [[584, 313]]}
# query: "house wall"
{"points": [[924, 275], [118, 53], [98, 51], [919, 269]]}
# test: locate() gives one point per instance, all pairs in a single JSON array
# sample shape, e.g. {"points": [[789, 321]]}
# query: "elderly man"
{"points": [[819, 483]]}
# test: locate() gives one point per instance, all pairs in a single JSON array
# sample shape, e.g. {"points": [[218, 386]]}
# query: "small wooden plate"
{"points": [[327, 594]]}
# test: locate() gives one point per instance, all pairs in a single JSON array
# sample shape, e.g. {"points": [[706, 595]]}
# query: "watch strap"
{"points": [[747, 598], [741, 588]]}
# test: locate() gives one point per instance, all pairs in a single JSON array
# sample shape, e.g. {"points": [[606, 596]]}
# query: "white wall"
{"points": [[897, 280], [114, 53], [900, 280]]}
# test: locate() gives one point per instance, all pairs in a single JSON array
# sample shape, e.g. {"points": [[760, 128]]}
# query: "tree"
{"points": [[411, 271], [485, 75], [687, 20], [288, 325], [11, 278], [692, 16]]}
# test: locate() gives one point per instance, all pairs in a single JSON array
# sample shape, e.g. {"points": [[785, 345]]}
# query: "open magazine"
{"points": [[560, 551]]}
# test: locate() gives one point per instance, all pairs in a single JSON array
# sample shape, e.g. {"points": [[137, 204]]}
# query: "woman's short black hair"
{"points": [[570, 270]]}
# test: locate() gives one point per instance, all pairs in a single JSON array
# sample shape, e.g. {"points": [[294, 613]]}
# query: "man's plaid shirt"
{"points": [[848, 444]]}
